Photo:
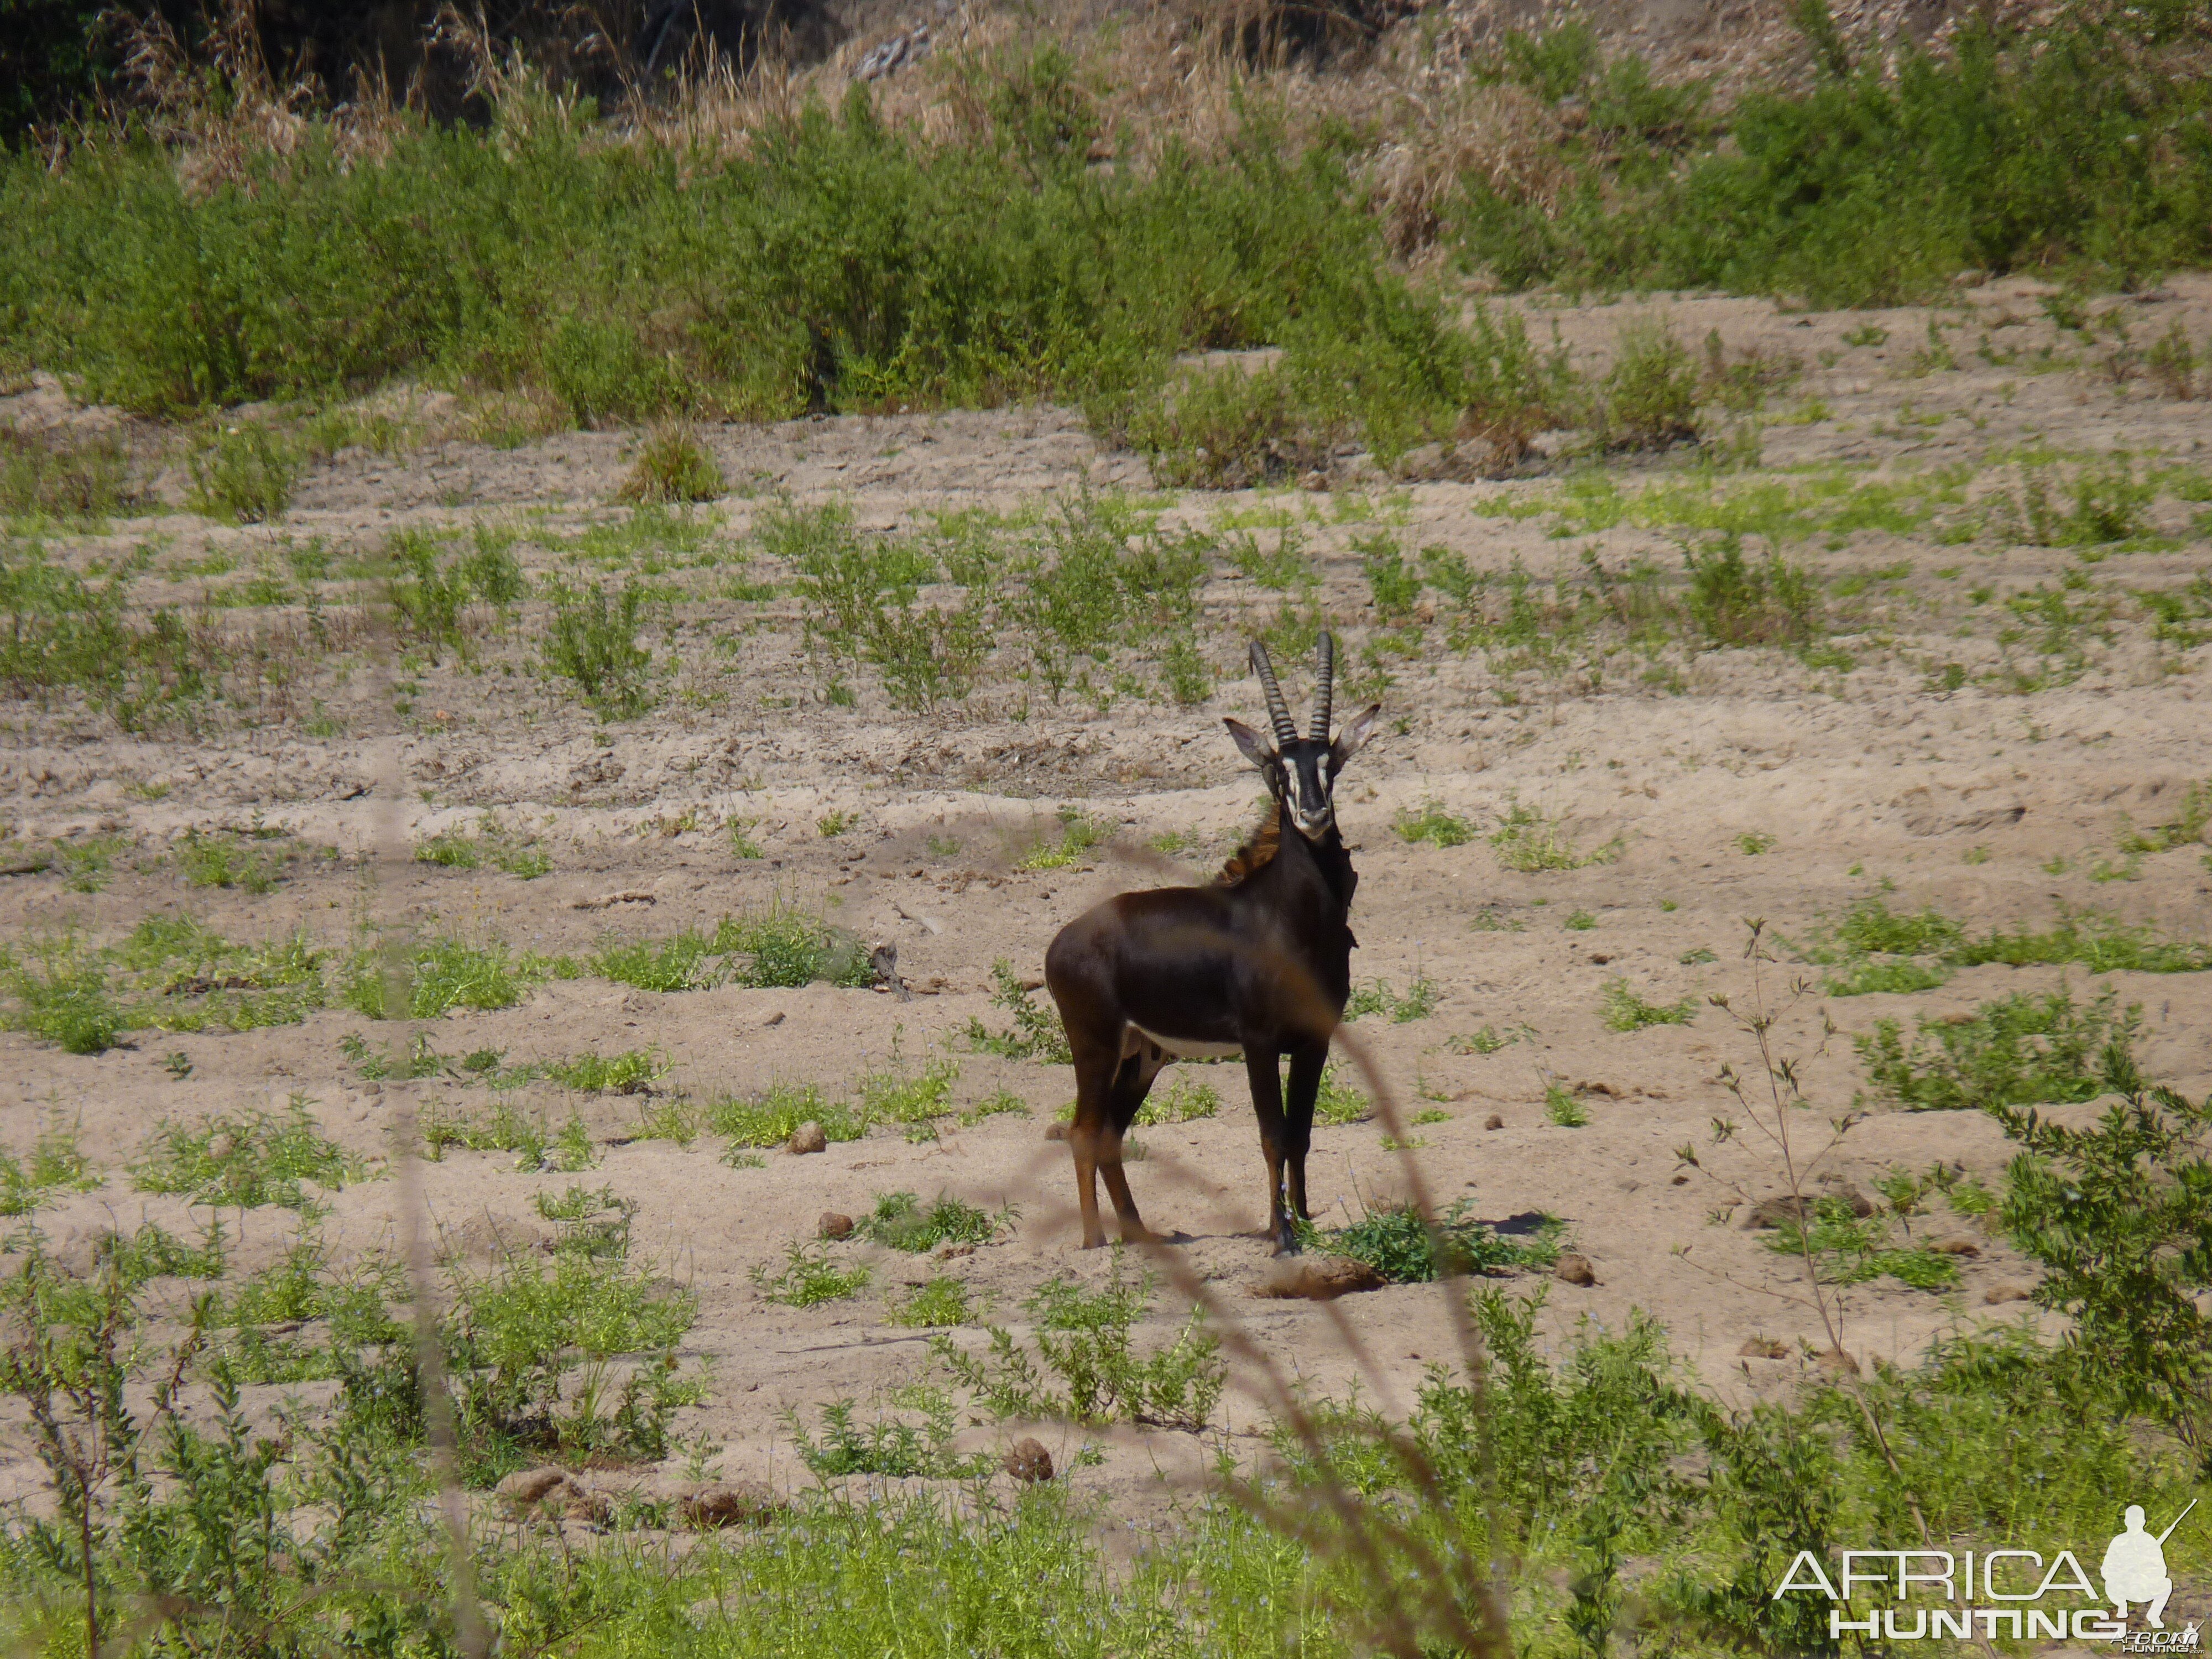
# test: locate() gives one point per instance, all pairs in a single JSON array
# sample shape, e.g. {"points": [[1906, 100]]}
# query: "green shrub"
{"points": [[937, 1303], [63, 475], [2117, 1213], [256, 1159], [1403, 1247], [243, 474], [780, 947], [769, 1119], [809, 1278], [672, 466], [55, 1163], [429, 593], [891, 1446], [627, 1073], [1736, 602], [1622, 1009], [1650, 395], [59, 633], [1035, 1033], [223, 859], [899, 1221], [440, 974], [63, 998], [594, 643], [1433, 823], [1082, 1363], [2021, 1050], [1185, 1101]]}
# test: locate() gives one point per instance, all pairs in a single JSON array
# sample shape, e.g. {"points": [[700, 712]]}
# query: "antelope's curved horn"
{"points": [[1286, 730], [1324, 684]]}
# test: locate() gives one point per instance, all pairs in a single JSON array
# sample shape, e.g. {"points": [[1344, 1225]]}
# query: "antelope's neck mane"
{"points": [[1255, 854]]}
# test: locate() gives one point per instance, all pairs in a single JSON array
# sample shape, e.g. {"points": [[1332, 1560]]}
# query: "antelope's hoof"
{"points": [[1139, 1236], [1286, 1243], [1094, 1241]]}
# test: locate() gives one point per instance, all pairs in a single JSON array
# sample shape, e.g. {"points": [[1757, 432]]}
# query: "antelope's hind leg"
{"points": [[1141, 1062]]}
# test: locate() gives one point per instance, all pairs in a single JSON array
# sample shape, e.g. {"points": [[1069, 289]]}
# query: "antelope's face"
{"points": [[1300, 771]]}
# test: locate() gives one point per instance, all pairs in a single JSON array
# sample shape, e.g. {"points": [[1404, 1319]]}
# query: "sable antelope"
{"points": [[1257, 963]]}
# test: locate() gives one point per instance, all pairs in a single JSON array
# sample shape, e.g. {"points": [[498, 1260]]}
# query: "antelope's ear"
{"points": [[1350, 741], [1257, 749]]}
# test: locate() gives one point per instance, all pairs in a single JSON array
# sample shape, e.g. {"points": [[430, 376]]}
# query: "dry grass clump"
{"points": [[672, 466]]}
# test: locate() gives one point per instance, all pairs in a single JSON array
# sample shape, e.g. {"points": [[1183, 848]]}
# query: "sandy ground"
{"points": [[1968, 799]]}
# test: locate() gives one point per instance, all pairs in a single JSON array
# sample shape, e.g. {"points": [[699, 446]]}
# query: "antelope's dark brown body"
{"points": [[1258, 963]]}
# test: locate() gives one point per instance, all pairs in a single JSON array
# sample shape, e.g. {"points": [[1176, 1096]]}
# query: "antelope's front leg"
{"points": [[1262, 1071]]}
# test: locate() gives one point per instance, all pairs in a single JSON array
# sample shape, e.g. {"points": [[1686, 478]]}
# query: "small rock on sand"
{"points": [[1764, 1347], [833, 1226], [1575, 1270], [1493, 1121], [1027, 1460], [1056, 1131], [2007, 1293], [808, 1137]]}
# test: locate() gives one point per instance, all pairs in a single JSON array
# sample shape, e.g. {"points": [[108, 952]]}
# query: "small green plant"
{"points": [[521, 855], [243, 474], [245, 1161], [771, 1118], [1404, 1249], [901, 1221], [1736, 603], [1182, 1103], [1430, 823], [631, 1072], [1564, 1107], [937, 1303], [809, 1278], [835, 822], [890, 1447], [672, 466], [1035, 1033], [1375, 997], [1339, 1101], [1752, 843], [1579, 921], [63, 998], [1650, 393], [55, 1165], [2021, 1050], [1082, 1363], [901, 1096], [1530, 841], [1622, 1009], [593, 641], [221, 859], [1079, 833], [440, 974]]}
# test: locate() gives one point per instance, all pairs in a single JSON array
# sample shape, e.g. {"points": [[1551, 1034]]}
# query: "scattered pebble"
{"points": [[731, 1503], [808, 1137], [1575, 1270], [833, 1226], [1493, 1121]]}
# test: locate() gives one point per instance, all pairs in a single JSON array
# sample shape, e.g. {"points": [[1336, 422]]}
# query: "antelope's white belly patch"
{"points": [[1136, 1036]]}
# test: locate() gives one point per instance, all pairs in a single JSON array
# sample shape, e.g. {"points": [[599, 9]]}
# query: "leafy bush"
{"points": [[1082, 1364], [1650, 395], [1035, 1034], [891, 1446], [594, 643], [2021, 1050], [899, 1221], [1398, 1243], [1622, 1009], [1736, 602], [246, 1161], [672, 466], [243, 474], [2119, 1213], [63, 998], [1433, 823], [769, 1118], [60, 633], [1530, 840], [939, 1301], [809, 1278], [54, 1163], [780, 947], [63, 476]]}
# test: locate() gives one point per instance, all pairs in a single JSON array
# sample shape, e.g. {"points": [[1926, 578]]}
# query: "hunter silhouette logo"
{"points": [[1935, 1595], [2134, 1568]]}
